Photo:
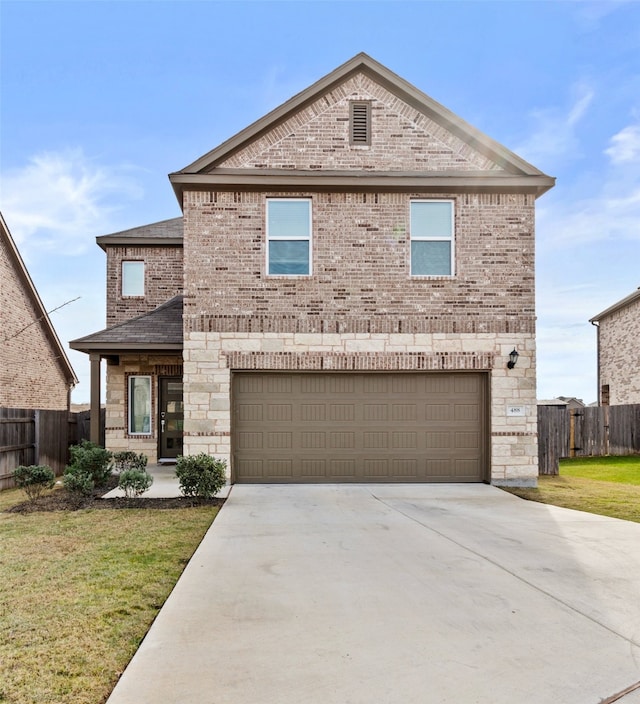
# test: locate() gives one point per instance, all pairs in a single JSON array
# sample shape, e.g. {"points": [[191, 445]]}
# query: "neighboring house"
{"points": [[358, 266], [619, 352], [35, 372]]}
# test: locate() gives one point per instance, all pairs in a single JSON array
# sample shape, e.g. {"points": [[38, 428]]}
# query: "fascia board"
{"points": [[282, 180], [616, 306], [121, 348], [113, 241]]}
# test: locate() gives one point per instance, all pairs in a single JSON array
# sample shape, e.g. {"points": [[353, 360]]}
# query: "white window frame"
{"points": [[130, 395], [288, 238], [450, 237], [126, 294]]}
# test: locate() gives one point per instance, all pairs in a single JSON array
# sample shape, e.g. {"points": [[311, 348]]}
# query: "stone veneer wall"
{"points": [[116, 423], [210, 357], [619, 333]]}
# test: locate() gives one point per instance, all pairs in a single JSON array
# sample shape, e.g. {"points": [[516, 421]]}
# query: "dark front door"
{"points": [[171, 419]]}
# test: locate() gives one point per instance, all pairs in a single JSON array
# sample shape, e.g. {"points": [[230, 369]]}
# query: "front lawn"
{"points": [[609, 486], [80, 590]]}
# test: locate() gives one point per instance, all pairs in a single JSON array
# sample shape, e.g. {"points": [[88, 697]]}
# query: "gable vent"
{"points": [[360, 123]]}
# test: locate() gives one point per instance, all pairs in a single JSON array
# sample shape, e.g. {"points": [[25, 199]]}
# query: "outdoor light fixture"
{"points": [[513, 358]]}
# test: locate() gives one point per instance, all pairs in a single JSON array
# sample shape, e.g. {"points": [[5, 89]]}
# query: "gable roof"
{"points": [[41, 317], [163, 233], [616, 306], [513, 173], [160, 329]]}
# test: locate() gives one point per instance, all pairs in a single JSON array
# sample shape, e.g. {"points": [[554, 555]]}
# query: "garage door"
{"points": [[359, 427]]}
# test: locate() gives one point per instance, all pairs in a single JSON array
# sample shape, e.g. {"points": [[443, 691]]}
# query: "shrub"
{"points": [[134, 482], [34, 479], [90, 467], [77, 481], [201, 476], [128, 459]]}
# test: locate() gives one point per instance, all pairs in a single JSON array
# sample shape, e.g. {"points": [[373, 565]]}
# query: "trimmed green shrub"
{"points": [[201, 476], [134, 482], [91, 466], [33, 479], [77, 481], [127, 459]]}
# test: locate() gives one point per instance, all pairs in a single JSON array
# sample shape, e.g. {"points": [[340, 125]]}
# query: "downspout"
{"points": [[596, 323]]}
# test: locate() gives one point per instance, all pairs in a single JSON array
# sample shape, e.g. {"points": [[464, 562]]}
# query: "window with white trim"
{"points": [[288, 236], [139, 405], [133, 278], [432, 238]]}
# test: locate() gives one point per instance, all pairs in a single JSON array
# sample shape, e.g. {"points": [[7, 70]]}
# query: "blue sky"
{"points": [[101, 100]]}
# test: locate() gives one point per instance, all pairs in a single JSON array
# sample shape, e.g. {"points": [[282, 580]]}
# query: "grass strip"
{"points": [[80, 590], [592, 484]]}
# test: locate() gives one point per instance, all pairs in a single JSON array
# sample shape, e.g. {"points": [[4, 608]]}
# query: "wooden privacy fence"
{"points": [[586, 432], [30, 436]]}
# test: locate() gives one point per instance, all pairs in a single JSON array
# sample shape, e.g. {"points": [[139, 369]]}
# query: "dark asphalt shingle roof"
{"points": [[159, 329], [165, 231]]}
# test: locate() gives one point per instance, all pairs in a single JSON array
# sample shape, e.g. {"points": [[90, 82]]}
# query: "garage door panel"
{"points": [[439, 411], [328, 426], [342, 469]]}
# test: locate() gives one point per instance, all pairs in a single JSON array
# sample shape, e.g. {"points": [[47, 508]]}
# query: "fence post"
{"points": [[36, 437]]}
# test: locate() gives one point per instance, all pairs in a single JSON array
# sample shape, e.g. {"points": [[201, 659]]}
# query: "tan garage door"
{"points": [[359, 427]]}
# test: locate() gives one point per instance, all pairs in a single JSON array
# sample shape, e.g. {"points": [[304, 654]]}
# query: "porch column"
{"points": [[94, 426]]}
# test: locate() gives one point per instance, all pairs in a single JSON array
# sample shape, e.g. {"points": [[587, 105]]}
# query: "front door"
{"points": [[171, 420]]}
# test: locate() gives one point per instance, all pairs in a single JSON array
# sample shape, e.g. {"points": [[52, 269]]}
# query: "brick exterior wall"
{"points": [[360, 280], [163, 280], [317, 138], [30, 375], [619, 333]]}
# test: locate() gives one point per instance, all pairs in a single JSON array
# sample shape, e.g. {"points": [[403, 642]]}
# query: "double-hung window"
{"points": [[133, 278], [139, 405], [289, 236], [432, 238]]}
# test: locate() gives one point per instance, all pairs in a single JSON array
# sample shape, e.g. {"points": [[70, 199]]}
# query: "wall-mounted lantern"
{"points": [[513, 358]]}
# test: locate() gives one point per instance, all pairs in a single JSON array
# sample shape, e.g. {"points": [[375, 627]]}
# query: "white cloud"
{"points": [[553, 139], [625, 146], [60, 200]]}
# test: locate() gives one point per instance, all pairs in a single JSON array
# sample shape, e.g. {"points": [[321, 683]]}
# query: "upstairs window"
{"points": [[432, 238], [360, 123], [288, 237], [133, 278]]}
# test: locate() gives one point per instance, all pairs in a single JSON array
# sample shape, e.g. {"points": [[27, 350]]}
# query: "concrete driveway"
{"points": [[397, 594]]}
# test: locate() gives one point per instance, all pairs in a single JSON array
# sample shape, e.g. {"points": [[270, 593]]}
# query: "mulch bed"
{"points": [[62, 500]]}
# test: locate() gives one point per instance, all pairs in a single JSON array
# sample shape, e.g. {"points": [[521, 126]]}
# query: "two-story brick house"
{"points": [[618, 351], [358, 266]]}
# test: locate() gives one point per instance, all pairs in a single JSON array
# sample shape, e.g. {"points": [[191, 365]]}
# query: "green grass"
{"points": [[608, 486], [80, 590], [623, 470]]}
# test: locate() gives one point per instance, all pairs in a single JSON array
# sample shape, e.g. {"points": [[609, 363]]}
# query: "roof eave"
{"points": [[111, 241], [110, 348], [616, 306], [390, 181]]}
